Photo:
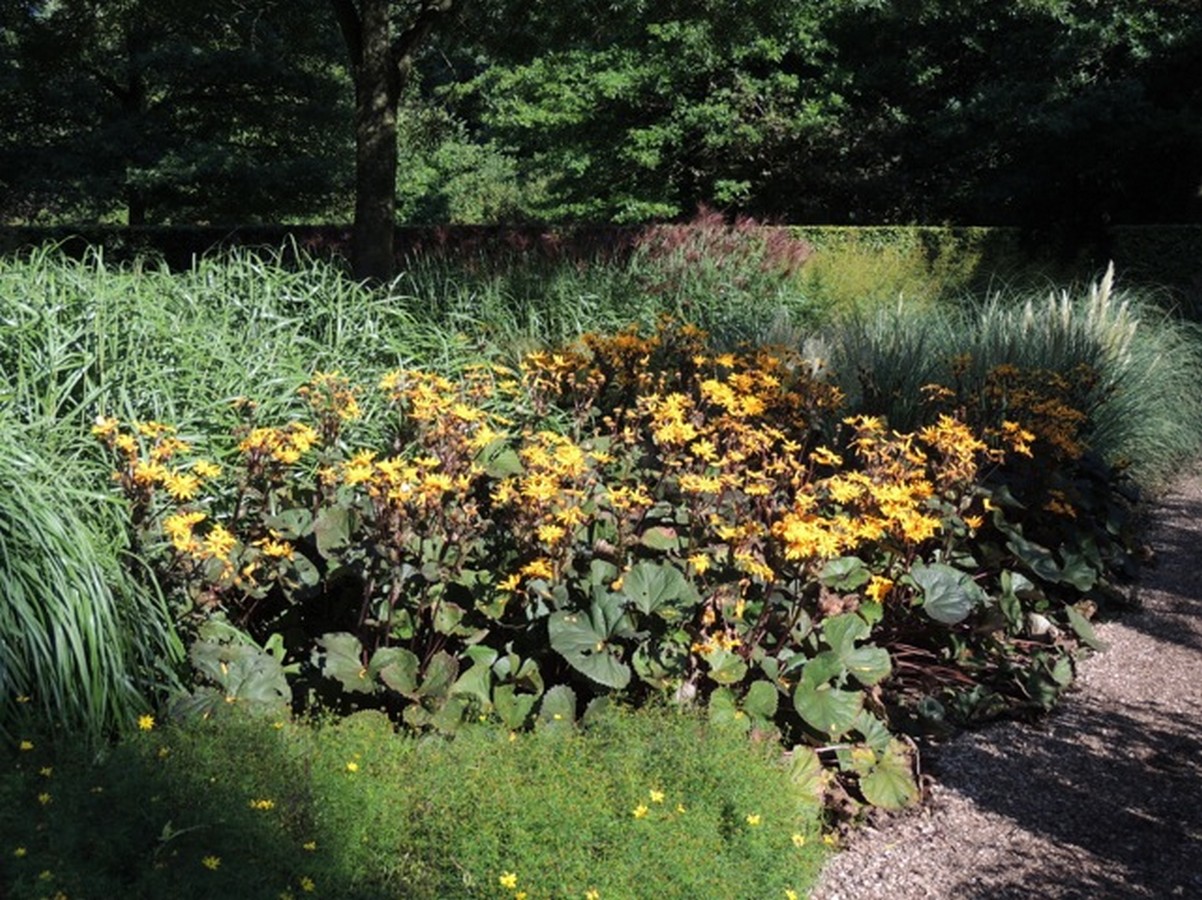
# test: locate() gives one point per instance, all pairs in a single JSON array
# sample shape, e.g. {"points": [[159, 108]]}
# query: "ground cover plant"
{"points": [[256, 807], [888, 525]]}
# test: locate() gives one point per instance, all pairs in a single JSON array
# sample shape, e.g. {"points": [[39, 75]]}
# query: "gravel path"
{"points": [[1103, 799]]}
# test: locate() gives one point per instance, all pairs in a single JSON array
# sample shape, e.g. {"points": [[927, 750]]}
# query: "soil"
{"points": [[1100, 799]]}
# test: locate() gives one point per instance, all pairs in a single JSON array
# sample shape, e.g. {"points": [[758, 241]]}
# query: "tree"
{"points": [[171, 110], [382, 60], [636, 110]]}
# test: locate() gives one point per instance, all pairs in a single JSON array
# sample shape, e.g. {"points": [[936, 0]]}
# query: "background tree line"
{"points": [[1074, 112]]}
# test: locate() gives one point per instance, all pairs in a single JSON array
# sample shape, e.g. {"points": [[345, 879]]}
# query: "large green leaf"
{"points": [[845, 573], [841, 632], [725, 667], [397, 667], [762, 700], [650, 585], [1084, 629], [513, 708], [868, 664], [339, 655], [949, 595], [558, 709], [890, 783], [724, 711], [332, 529], [827, 708], [586, 648]]}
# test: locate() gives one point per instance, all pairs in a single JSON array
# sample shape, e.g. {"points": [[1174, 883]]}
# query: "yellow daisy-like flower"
{"points": [[206, 469], [508, 880], [45, 799], [799, 839], [656, 796], [46, 771], [790, 894], [20, 852], [145, 723], [753, 819], [26, 745], [352, 766], [212, 863], [592, 895], [830, 840], [309, 845], [262, 804], [520, 895], [640, 811], [307, 884]]}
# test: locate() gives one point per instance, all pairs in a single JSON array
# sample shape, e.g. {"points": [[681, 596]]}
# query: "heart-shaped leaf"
{"points": [[949, 595]]}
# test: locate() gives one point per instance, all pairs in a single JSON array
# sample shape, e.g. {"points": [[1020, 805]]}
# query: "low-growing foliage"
{"points": [[652, 803]]}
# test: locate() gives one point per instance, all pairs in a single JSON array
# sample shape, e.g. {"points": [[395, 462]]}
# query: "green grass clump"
{"points": [[355, 810], [1144, 412], [79, 632]]}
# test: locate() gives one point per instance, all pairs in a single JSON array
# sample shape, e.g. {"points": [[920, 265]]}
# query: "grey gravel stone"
{"points": [[1103, 799]]}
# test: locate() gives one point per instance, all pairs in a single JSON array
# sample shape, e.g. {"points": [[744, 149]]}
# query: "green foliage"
{"points": [[85, 638], [171, 111], [259, 806]]}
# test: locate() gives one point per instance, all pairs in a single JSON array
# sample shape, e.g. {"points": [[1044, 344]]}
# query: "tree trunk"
{"points": [[377, 92]]}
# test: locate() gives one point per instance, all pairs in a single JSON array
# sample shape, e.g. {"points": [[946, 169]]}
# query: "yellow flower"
{"points": [[352, 766], [640, 811], [520, 895], [262, 804], [20, 852], [104, 427], [212, 863], [592, 895], [878, 588], [206, 469], [309, 845], [753, 819], [790, 894], [306, 884], [799, 839], [45, 799], [181, 485], [46, 771], [508, 880], [26, 745], [700, 562], [146, 722], [656, 796], [830, 840]]}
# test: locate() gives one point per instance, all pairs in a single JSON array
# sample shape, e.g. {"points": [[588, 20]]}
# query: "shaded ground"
{"points": [[1101, 800]]}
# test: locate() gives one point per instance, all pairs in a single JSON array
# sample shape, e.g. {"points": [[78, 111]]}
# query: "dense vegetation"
{"points": [[1064, 111]]}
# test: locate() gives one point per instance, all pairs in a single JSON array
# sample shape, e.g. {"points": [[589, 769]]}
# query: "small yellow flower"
{"points": [[520, 895], [307, 884], [592, 895], [310, 845], [799, 839], [26, 745], [45, 799], [45, 875], [830, 840], [24, 698], [680, 808], [164, 752], [20, 852], [790, 894], [262, 804], [753, 819], [145, 723], [211, 863], [352, 766], [656, 796], [46, 771], [508, 880], [640, 811]]}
